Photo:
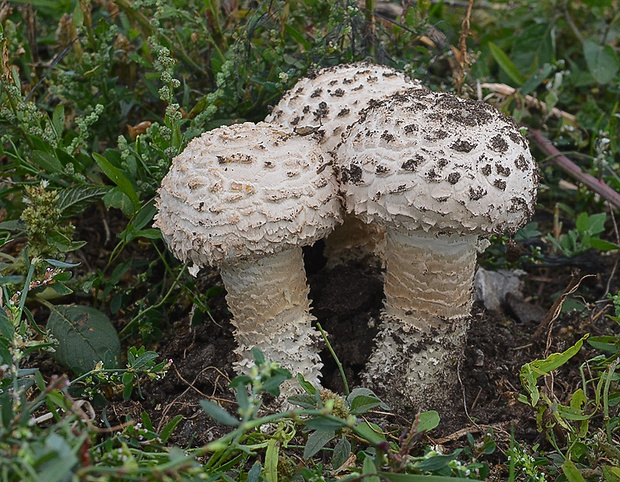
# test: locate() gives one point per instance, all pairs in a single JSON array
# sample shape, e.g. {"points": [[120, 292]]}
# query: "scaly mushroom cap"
{"points": [[244, 191], [430, 161], [333, 97]]}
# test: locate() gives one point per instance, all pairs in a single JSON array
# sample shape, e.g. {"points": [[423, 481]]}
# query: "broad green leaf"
{"points": [[611, 474], [118, 178], [596, 223], [582, 222], [363, 403], [58, 120], [254, 473], [271, 460], [342, 451], [435, 463], [48, 162], [427, 421], [116, 198], [603, 245], [369, 471], [304, 401], [218, 414], [506, 64], [571, 472], [85, 337], [606, 343], [74, 200], [370, 432], [325, 423], [316, 441], [602, 61]]}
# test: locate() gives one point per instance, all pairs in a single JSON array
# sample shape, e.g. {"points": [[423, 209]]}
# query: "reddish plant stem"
{"points": [[573, 170]]}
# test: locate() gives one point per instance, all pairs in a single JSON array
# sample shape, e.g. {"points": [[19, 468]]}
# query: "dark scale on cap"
{"points": [[432, 176], [463, 146], [500, 184], [351, 175], [380, 169], [486, 170], [316, 93], [502, 170], [410, 129], [359, 87], [337, 93], [306, 109], [443, 162], [521, 163], [295, 121], [454, 177], [387, 137], [476, 193], [347, 81], [412, 164], [322, 111], [343, 112], [498, 144], [332, 82]]}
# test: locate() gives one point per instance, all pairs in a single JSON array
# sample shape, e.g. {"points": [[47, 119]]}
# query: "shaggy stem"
{"points": [[428, 277], [268, 298]]}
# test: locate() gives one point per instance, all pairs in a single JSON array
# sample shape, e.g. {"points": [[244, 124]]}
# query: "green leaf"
{"points": [[271, 460], [427, 421], [169, 428], [369, 468], [58, 120], [572, 472], [118, 178], [342, 451], [254, 473], [602, 245], [85, 336], [506, 64], [611, 474], [602, 61], [115, 198], [218, 414], [48, 162], [316, 441], [363, 403], [530, 372], [370, 432], [582, 223], [325, 423], [435, 462], [73, 201]]}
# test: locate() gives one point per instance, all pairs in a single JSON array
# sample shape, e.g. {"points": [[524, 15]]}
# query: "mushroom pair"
{"points": [[246, 198], [439, 174]]}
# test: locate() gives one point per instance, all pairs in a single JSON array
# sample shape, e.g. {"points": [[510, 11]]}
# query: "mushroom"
{"points": [[246, 198], [441, 173], [326, 101]]}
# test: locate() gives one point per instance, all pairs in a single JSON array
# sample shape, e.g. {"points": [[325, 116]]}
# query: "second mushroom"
{"points": [[441, 173], [246, 198]]}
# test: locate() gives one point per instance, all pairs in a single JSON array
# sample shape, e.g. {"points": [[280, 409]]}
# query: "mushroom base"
{"points": [[415, 369], [268, 298], [428, 276]]}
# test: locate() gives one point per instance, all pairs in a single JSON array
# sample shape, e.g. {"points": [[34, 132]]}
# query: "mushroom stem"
{"points": [[428, 286], [428, 276], [268, 298]]}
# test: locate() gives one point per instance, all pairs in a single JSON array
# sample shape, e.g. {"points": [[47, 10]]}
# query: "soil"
{"points": [[347, 301]]}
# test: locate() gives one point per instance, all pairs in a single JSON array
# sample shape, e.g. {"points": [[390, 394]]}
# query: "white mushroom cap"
{"points": [[245, 191], [333, 97], [430, 161]]}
